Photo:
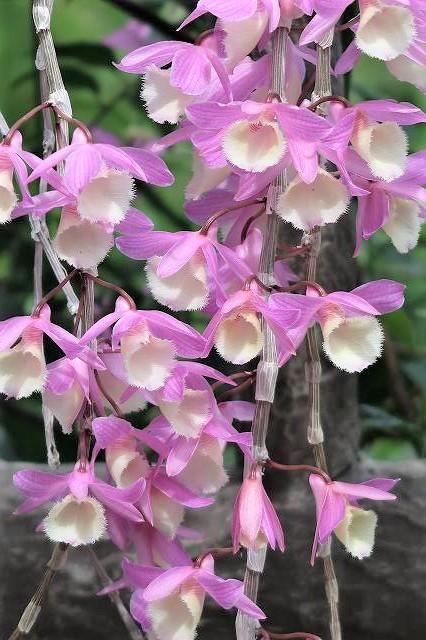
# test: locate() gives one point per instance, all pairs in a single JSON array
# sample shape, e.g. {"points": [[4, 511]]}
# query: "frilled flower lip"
{"points": [[76, 522]]}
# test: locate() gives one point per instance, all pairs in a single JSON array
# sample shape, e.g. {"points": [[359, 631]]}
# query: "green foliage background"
{"points": [[392, 393]]}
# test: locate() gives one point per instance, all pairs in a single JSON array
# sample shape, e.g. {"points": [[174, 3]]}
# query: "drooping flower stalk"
{"points": [[267, 369], [315, 432]]}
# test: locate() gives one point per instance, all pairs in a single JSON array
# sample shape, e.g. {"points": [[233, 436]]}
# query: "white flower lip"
{"points": [[22, 370], [254, 145], [385, 31], [185, 290], [357, 531], [189, 415], [176, 617], [352, 344], [308, 205], [106, 197], [384, 147], [164, 103], [167, 514], [76, 522], [81, 243], [239, 338], [404, 224], [8, 199], [148, 360]]}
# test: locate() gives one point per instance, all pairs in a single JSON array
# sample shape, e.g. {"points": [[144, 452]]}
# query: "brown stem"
{"points": [[347, 25], [59, 114], [238, 205], [109, 285], [253, 218], [106, 395], [298, 467], [264, 634], [302, 284], [234, 376], [235, 390], [52, 293], [23, 119], [76, 123], [217, 552], [259, 283], [331, 98]]}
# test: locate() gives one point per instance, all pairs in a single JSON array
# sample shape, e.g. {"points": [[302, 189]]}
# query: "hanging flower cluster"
{"points": [[243, 137]]}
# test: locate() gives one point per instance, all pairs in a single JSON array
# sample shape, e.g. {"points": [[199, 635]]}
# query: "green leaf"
{"points": [[391, 449], [85, 52], [415, 370]]}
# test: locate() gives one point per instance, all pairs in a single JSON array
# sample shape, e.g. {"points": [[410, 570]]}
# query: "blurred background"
{"points": [[89, 37]]}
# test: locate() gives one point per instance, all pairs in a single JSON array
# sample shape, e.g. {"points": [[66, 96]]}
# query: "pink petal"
{"points": [[191, 71], [383, 295], [151, 168], [51, 161], [362, 491], [168, 582], [82, 166], [180, 253], [11, 330], [180, 455], [135, 222], [392, 111], [271, 524], [146, 244], [179, 493], [40, 484], [189, 343], [108, 430], [228, 593], [158, 53]]}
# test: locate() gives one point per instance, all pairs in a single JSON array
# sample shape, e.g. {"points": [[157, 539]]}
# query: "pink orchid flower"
{"points": [[66, 390], [236, 332], [82, 502], [353, 337], [169, 602], [164, 498], [398, 207], [182, 268], [147, 343], [338, 511], [386, 29], [254, 521], [255, 137], [98, 177], [22, 363], [12, 164], [198, 462], [134, 33], [192, 65]]}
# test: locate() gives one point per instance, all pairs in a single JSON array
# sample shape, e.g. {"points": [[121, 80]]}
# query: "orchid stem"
{"points": [[321, 95], [267, 370], [109, 285], [298, 467], [52, 293], [34, 607], [238, 205]]}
